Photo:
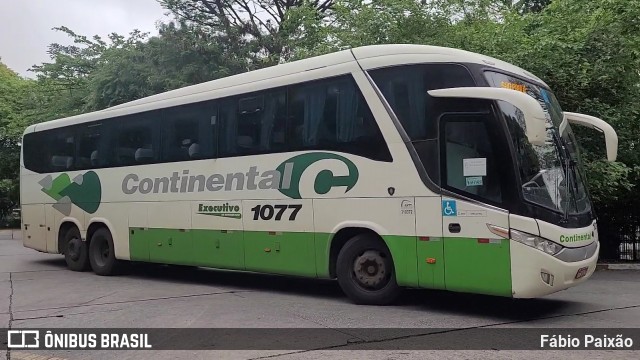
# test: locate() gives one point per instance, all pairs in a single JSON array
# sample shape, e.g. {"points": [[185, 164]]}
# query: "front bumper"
{"points": [[528, 263]]}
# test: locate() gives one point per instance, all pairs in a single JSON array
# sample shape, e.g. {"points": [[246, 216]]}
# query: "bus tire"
{"points": [[76, 253], [365, 271], [101, 253]]}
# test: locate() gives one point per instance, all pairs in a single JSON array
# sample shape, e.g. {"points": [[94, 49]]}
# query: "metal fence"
{"points": [[619, 231], [630, 251]]}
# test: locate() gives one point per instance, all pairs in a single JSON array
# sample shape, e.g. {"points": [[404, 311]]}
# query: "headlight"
{"points": [[537, 242]]}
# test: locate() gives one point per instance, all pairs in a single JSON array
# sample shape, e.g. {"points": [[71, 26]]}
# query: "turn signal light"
{"points": [[431, 260]]}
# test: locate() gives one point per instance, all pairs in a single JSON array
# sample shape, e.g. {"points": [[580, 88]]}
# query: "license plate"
{"points": [[581, 272]]}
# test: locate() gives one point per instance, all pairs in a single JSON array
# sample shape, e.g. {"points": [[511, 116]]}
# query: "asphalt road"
{"points": [[36, 290]]}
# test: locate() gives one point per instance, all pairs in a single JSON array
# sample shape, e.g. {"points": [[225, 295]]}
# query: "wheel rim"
{"points": [[370, 270], [102, 252], [74, 246]]}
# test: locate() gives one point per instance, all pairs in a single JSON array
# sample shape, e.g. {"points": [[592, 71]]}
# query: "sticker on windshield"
{"points": [[474, 167], [513, 86], [474, 181]]}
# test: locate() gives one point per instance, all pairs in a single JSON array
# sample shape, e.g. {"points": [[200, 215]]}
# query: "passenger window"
{"points": [[137, 140], [35, 157], [253, 124], [470, 161], [332, 115], [329, 114], [405, 89], [91, 149], [188, 132], [61, 150]]}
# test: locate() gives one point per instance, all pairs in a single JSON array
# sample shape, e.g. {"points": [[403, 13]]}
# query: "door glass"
{"points": [[469, 161]]}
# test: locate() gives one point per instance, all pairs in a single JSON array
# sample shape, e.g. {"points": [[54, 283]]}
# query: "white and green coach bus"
{"points": [[382, 166]]}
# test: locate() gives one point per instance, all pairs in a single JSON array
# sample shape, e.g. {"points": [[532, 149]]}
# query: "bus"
{"points": [[384, 167]]}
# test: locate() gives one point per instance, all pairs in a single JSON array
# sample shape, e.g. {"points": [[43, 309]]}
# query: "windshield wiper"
{"points": [[572, 185], [566, 159]]}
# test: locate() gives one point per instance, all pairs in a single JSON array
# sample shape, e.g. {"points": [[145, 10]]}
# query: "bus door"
{"points": [[473, 164], [51, 223], [430, 244]]}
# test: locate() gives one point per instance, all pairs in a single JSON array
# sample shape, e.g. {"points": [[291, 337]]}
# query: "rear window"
{"points": [[32, 152]]}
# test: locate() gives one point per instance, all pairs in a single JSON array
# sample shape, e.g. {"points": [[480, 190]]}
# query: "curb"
{"points": [[9, 234], [27, 356], [635, 266]]}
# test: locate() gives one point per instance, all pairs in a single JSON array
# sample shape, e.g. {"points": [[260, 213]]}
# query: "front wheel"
{"points": [[101, 253], [366, 272]]}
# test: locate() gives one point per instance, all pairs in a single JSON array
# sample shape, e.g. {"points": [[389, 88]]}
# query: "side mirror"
{"points": [[610, 136], [534, 115]]}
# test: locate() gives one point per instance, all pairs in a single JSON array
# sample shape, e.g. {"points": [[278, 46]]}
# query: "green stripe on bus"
{"points": [[403, 252], [294, 253], [431, 262], [478, 266], [461, 264], [289, 253]]}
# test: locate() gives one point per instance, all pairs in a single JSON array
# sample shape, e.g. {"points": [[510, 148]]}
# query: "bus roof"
{"points": [[186, 93]]}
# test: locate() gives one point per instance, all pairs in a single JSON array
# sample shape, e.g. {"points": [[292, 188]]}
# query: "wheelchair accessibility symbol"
{"points": [[449, 208]]}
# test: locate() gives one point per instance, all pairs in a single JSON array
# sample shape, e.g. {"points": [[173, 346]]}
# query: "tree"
{"points": [[64, 82], [179, 56], [12, 95], [529, 6], [250, 27]]}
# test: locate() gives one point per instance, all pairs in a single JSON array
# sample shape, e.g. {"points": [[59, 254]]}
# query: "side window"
{"points": [[469, 161], [405, 89], [91, 149], [137, 140], [332, 115], [188, 132], [253, 124], [61, 146], [35, 156]]}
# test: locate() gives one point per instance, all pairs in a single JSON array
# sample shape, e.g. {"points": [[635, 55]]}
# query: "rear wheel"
{"points": [[101, 253], [366, 272], [75, 250]]}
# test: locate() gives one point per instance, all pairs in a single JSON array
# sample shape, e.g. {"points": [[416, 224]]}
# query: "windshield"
{"points": [[551, 173]]}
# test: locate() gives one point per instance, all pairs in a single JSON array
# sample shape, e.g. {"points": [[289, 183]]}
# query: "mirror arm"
{"points": [[610, 136], [534, 116]]}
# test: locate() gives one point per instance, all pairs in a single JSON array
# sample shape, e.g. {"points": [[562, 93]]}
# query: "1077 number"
{"points": [[266, 212]]}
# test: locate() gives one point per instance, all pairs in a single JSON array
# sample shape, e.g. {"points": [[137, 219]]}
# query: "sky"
{"points": [[26, 25]]}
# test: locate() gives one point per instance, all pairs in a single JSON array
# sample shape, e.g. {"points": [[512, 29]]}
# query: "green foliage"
{"points": [[65, 83], [609, 182], [379, 22], [178, 57], [264, 31], [13, 90]]}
